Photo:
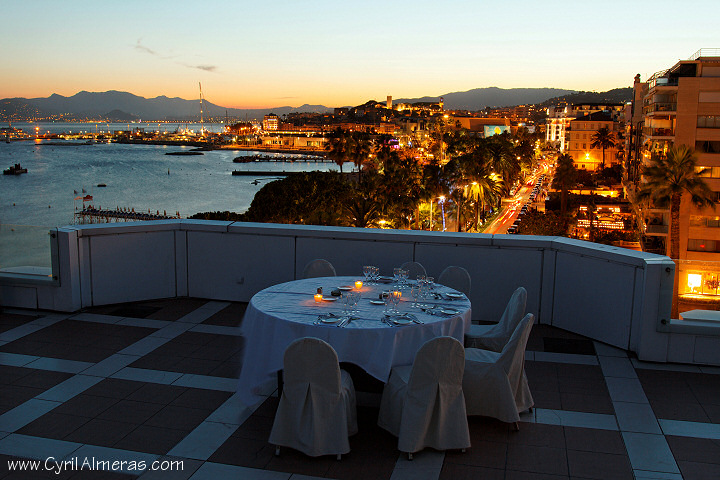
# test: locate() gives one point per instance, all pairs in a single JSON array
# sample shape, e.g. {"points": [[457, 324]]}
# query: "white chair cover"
{"points": [[457, 278], [494, 383], [494, 337], [414, 269], [319, 268], [423, 404], [317, 410]]}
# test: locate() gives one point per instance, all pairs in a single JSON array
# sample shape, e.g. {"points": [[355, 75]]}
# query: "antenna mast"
{"points": [[202, 126]]}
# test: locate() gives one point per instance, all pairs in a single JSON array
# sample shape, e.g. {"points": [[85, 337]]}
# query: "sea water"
{"points": [[139, 177]]}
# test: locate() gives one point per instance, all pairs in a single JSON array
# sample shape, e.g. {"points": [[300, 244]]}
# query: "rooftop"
{"points": [[156, 380]]}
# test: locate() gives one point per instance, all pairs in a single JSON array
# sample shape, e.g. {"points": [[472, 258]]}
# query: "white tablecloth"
{"points": [[282, 313]]}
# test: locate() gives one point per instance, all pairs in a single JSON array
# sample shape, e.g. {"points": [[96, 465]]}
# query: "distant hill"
{"points": [[479, 98], [614, 96], [124, 106], [128, 106]]}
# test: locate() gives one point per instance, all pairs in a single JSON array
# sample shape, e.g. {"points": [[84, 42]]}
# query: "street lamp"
{"points": [[441, 200]]}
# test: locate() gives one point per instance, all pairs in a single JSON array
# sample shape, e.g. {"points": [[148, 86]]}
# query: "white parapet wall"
{"points": [[613, 295]]}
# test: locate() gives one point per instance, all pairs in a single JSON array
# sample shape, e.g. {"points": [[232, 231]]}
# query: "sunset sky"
{"points": [[334, 53]]}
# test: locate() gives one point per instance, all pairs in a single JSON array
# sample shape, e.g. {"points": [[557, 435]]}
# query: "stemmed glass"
{"points": [[367, 271], [354, 299], [395, 293], [415, 293], [403, 277], [397, 274]]}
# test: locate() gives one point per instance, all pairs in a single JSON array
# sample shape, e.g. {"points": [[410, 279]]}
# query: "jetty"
{"points": [[263, 173], [263, 157], [90, 214]]}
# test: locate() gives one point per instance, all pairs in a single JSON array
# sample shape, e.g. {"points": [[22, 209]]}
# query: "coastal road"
{"points": [[511, 209]]}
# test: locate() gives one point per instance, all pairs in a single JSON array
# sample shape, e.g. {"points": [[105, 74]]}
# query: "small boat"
{"points": [[102, 185], [15, 170]]}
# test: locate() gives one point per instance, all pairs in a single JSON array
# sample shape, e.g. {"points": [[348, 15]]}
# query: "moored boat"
{"points": [[15, 170]]}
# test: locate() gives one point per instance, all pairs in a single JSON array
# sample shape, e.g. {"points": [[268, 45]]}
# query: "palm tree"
{"points": [[603, 138], [339, 147], [565, 177], [667, 178]]}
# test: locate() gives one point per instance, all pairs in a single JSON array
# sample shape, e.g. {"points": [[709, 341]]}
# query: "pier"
{"points": [[262, 157], [91, 214]]}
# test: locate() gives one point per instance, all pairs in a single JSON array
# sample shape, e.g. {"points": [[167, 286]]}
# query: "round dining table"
{"points": [[280, 314]]}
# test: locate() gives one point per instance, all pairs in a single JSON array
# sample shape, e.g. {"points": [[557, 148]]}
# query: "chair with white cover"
{"points": [[494, 383], [414, 269], [494, 337], [422, 404], [455, 277], [319, 268], [317, 409]]}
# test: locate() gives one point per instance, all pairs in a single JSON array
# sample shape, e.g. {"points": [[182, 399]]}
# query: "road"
{"points": [[511, 209]]}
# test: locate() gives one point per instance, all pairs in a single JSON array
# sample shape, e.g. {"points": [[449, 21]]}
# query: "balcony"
{"points": [[138, 358], [659, 107], [657, 230], [658, 132]]}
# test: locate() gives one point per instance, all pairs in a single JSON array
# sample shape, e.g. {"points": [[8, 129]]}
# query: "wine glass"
{"points": [[367, 270], [354, 299], [387, 298], [396, 299], [415, 293], [397, 274], [403, 277]]}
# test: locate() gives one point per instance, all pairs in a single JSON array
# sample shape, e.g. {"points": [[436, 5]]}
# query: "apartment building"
{"points": [[681, 105], [580, 135], [557, 124]]}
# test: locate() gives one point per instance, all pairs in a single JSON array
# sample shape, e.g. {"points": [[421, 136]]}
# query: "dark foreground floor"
{"points": [[153, 383]]}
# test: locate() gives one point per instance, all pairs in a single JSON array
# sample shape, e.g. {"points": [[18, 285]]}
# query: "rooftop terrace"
{"points": [[155, 380], [131, 350]]}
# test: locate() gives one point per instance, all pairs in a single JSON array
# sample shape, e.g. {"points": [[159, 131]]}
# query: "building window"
{"points": [[702, 283], [707, 146], [584, 146], [704, 221], [708, 121], [710, 172], [701, 245]]}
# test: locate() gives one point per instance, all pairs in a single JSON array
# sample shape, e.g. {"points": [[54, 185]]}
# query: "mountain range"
{"points": [[124, 106]]}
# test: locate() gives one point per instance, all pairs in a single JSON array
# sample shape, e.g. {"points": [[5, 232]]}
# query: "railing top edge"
{"points": [[581, 247]]}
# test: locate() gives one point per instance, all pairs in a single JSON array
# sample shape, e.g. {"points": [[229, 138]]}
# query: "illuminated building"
{"points": [[580, 139], [559, 118], [271, 122], [681, 106]]}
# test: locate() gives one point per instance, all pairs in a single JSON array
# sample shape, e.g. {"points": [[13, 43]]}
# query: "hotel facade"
{"points": [[681, 106]]}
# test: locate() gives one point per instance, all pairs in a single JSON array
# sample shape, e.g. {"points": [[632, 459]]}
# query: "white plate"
{"points": [[401, 321], [345, 288], [455, 295], [330, 299], [330, 320], [449, 311], [377, 302]]}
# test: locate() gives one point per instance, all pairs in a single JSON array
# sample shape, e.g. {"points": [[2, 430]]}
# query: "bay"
{"points": [[139, 177]]}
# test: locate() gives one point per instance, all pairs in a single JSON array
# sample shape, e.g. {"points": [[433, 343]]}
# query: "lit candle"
{"points": [[358, 284], [318, 297]]}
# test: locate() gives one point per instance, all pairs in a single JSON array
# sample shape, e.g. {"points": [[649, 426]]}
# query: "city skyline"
{"points": [[249, 55]]}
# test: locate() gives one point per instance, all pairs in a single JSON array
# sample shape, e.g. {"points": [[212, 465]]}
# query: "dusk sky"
{"points": [[335, 53]]}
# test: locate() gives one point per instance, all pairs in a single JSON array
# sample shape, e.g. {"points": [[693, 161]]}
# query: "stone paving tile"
{"points": [[599, 465], [698, 450], [8, 321], [230, 316], [699, 471]]}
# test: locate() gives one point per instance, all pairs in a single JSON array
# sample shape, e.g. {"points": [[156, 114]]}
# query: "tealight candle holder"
{"points": [[358, 284], [318, 297]]}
